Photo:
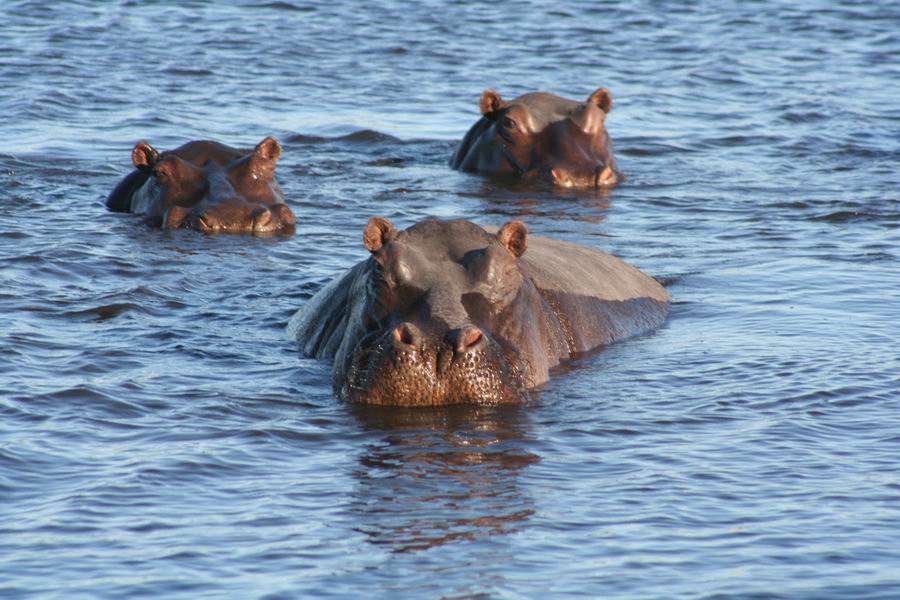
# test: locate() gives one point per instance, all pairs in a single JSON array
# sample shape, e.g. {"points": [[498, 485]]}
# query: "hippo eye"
{"points": [[378, 274], [381, 278], [509, 123], [160, 174]]}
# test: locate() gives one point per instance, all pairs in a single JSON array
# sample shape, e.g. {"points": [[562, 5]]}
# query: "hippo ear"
{"points": [[379, 231], [144, 156], [514, 237], [601, 98], [269, 149], [491, 102]]}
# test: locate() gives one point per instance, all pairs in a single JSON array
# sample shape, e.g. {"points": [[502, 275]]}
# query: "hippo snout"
{"points": [[241, 217], [409, 366], [598, 177], [407, 337]]}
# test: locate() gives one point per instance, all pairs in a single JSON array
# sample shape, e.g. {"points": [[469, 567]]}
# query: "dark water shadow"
{"points": [[437, 476]]}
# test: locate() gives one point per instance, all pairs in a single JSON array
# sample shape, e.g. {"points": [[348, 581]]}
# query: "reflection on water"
{"points": [[514, 199], [439, 476]]}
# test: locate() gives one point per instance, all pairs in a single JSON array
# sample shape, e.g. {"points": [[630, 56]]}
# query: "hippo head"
{"points": [[212, 188], [540, 136], [442, 298]]}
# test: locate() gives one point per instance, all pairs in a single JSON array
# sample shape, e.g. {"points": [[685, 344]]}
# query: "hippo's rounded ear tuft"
{"points": [[144, 156], [514, 237], [601, 98], [379, 231], [491, 102], [269, 149]]}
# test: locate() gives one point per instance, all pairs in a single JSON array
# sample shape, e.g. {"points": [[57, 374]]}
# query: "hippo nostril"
{"points": [[464, 339], [471, 336], [605, 177], [284, 213], [405, 334], [202, 222], [560, 178], [262, 218]]}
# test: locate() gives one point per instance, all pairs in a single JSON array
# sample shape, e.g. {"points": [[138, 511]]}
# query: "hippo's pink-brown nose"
{"points": [[464, 339], [406, 335], [606, 177], [284, 213], [602, 176], [261, 218]]}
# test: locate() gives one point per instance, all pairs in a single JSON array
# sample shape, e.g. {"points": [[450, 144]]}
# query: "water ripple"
{"points": [[160, 435]]}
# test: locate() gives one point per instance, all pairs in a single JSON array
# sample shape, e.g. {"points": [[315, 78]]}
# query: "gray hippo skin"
{"points": [[447, 312], [540, 136], [208, 187]]}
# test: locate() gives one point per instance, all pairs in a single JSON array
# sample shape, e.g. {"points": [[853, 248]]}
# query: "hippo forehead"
{"points": [[203, 152], [442, 241], [546, 108], [441, 263]]}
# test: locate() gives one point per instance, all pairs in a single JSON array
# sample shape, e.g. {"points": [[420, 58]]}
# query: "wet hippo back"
{"points": [[597, 297]]}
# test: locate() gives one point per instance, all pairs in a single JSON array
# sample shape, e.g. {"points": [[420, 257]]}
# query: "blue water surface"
{"points": [[160, 435]]}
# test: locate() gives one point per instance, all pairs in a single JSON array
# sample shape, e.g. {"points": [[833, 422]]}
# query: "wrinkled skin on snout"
{"points": [[542, 137], [447, 312], [208, 187]]}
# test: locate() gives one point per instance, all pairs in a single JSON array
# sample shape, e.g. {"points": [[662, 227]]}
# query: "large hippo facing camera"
{"points": [[206, 186], [447, 312], [542, 137]]}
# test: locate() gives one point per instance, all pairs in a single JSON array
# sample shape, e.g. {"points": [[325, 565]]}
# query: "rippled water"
{"points": [[160, 436]]}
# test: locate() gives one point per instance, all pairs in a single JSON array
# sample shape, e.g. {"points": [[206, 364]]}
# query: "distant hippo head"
{"points": [[540, 136], [440, 295], [206, 186]]}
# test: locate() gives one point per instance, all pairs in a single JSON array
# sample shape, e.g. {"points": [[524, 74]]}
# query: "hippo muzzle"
{"points": [[403, 367]]}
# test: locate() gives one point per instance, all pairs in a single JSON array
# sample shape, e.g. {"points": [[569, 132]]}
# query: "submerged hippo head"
{"points": [[542, 136], [447, 312], [439, 292], [206, 186]]}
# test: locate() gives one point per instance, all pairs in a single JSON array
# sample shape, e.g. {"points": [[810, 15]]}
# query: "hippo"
{"points": [[448, 312], [540, 136], [206, 186]]}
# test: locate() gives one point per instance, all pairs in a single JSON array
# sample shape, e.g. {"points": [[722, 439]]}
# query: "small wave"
{"points": [[386, 162], [843, 216], [287, 6], [363, 136], [668, 279], [641, 148], [803, 117], [188, 72], [106, 311], [731, 141]]}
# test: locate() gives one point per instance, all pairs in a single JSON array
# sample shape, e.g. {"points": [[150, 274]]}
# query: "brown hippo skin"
{"points": [[447, 312], [206, 186], [540, 136]]}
